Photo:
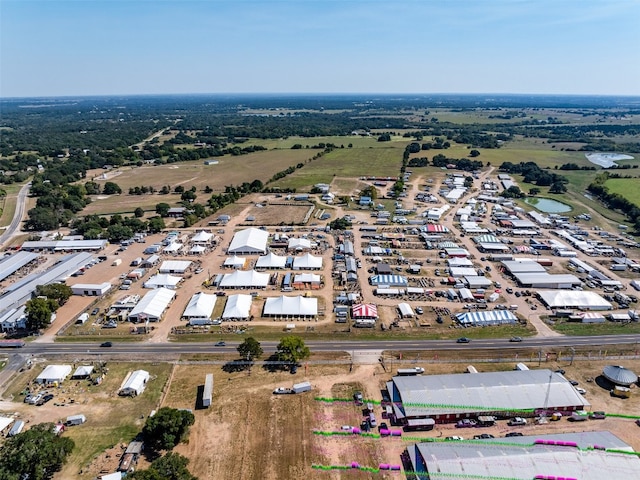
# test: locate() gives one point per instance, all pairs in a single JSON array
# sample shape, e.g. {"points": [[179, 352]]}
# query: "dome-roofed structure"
{"points": [[619, 375]]}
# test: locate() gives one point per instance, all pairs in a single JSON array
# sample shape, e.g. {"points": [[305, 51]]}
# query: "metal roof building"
{"points": [[547, 280], [11, 263], [619, 375], [65, 245], [447, 398], [567, 456], [523, 266]]}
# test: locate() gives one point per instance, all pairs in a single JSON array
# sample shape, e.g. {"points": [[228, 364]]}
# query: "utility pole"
{"points": [[573, 353]]}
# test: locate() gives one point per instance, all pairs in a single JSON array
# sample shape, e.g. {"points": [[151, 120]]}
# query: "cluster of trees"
{"points": [[418, 162], [532, 173], [480, 140], [615, 201], [40, 309], [513, 192], [341, 223], [464, 164], [117, 227], [56, 204], [143, 190], [35, 454], [574, 166]]}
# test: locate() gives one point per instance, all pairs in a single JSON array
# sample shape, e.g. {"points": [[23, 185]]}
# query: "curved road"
{"points": [[17, 215]]}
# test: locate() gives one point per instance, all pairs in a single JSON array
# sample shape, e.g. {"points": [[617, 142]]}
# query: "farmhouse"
{"points": [[448, 398], [54, 374], [200, 308], [559, 456], [238, 307], [152, 306], [250, 241], [134, 384], [291, 307]]}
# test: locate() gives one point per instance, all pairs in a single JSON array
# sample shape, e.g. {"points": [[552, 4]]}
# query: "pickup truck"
{"points": [[282, 391]]}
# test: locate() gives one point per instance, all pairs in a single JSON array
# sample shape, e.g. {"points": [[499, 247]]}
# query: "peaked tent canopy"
{"points": [[162, 280], [234, 262], [249, 241], [307, 262], [364, 310], [245, 279], [271, 260], [201, 305], [152, 305], [202, 237], [291, 307], [238, 306]]}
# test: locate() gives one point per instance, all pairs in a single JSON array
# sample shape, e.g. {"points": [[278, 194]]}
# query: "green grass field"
{"points": [[8, 203], [629, 188]]}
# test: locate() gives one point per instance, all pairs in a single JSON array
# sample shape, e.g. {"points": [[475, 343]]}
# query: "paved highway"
{"points": [[17, 215], [128, 348]]}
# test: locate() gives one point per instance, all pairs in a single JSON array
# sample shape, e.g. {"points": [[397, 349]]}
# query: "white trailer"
{"points": [[17, 427], [207, 393], [635, 284], [405, 372], [301, 387], [76, 420]]}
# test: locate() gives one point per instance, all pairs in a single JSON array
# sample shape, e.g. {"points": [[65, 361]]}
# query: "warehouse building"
{"points": [[584, 456], [64, 246], [91, 289], [547, 280], [448, 398], [12, 263]]}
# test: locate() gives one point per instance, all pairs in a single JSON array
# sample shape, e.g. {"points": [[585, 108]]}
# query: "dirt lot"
{"points": [[249, 433]]}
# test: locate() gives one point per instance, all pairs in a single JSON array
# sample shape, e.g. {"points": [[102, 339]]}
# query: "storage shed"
{"points": [[134, 384], [91, 289]]}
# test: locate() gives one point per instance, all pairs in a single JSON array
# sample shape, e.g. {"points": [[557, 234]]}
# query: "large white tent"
{"points": [[202, 237], [54, 373], [307, 262], [245, 279], [271, 260], [299, 244], [174, 266], [573, 299], [152, 305], [135, 383], [237, 307], [303, 307], [163, 280], [249, 241], [234, 262], [200, 308]]}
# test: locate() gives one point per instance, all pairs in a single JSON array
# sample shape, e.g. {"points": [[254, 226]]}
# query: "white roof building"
{"points": [[91, 289], [202, 237], [306, 278], [238, 306], [152, 305], [174, 266], [197, 249], [54, 373], [307, 262], [162, 280], [249, 241], [200, 306], [245, 279], [271, 260], [291, 307], [573, 299], [405, 310], [83, 371], [234, 262], [135, 383], [299, 244], [174, 247]]}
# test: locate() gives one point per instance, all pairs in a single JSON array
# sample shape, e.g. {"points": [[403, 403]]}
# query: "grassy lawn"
{"points": [[595, 329], [8, 203], [626, 187]]}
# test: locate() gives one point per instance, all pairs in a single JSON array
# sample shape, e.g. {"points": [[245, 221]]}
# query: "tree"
{"points": [[39, 312], [166, 428], [138, 212], [55, 291], [117, 233], [162, 209], [179, 189], [188, 196], [533, 191], [171, 466], [292, 349], [111, 188], [35, 454], [474, 153], [558, 187], [156, 224], [250, 349]]}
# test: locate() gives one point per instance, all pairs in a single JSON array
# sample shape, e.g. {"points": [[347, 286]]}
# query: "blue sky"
{"points": [[95, 47]]}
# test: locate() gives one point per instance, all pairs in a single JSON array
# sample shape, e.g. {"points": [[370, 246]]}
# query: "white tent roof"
{"points": [[244, 278], [202, 237], [307, 261], [306, 278], [153, 304], [174, 247], [291, 306], [5, 422], [238, 306], [179, 266], [201, 305], [83, 371], [136, 381], [197, 249], [249, 240], [234, 261], [299, 243], [271, 260], [575, 299], [162, 280], [54, 372], [405, 310]]}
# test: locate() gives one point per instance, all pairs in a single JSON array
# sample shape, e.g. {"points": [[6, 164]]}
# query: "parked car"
{"points": [[95, 311], [514, 434], [517, 421], [419, 310], [509, 290], [598, 415], [221, 294], [518, 294], [383, 426], [581, 391], [463, 340], [466, 423], [199, 270], [483, 436], [358, 399], [560, 371], [456, 437], [573, 382], [346, 428], [44, 399]]}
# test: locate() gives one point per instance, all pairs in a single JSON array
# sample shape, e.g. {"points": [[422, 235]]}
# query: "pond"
{"points": [[547, 205]]}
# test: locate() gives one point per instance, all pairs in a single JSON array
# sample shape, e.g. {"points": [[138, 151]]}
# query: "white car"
{"points": [[455, 437], [581, 391], [419, 310]]}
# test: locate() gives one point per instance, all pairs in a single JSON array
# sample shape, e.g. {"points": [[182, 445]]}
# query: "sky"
{"points": [[120, 47]]}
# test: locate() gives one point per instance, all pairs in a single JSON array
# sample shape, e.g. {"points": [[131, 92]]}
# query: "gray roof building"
{"points": [[541, 456], [447, 398]]}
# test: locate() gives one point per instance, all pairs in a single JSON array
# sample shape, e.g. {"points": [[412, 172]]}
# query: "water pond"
{"points": [[548, 205]]}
